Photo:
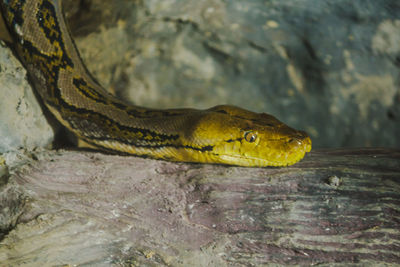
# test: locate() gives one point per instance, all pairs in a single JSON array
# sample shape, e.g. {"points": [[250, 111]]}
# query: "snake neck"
{"points": [[45, 46]]}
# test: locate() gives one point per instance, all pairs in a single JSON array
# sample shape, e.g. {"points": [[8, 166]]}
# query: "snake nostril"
{"points": [[297, 141]]}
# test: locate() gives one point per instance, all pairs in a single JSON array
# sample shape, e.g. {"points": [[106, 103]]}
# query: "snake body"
{"points": [[223, 134]]}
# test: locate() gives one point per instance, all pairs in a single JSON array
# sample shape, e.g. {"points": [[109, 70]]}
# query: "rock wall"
{"points": [[328, 67], [22, 123]]}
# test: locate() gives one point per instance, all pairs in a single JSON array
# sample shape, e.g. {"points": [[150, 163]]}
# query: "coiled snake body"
{"points": [[222, 134]]}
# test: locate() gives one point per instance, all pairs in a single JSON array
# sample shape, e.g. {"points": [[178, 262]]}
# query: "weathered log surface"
{"points": [[336, 207]]}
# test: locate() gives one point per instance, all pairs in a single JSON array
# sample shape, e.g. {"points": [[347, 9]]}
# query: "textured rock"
{"points": [[328, 67], [336, 208], [22, 124]]}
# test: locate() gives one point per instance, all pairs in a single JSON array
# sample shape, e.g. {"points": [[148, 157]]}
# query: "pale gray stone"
{"points": [[22, 123]]}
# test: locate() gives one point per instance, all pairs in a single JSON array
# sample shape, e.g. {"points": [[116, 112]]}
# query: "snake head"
{"points": [[237, 136]]}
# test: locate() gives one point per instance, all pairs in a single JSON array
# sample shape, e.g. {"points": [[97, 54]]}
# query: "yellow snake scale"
{"points": [[222, 134]]}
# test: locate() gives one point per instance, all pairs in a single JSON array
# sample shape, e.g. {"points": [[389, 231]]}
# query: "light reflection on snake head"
{"points": [[245, 138]]}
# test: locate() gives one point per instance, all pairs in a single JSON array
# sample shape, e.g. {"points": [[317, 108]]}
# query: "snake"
{"points": [[223, 134]]}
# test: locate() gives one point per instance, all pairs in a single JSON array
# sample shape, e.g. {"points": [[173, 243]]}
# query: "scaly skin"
{"points": [[222, 134]]}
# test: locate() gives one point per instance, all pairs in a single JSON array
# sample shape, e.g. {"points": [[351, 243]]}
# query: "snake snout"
{"points": [[301, 139]]}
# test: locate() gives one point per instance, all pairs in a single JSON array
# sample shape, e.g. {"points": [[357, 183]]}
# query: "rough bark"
{"points": [[336, 207]]}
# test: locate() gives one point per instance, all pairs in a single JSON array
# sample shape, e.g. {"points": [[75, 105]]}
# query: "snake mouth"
{"points": [[251, 161]]}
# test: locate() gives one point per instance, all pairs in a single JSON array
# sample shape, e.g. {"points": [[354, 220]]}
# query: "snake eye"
{"points": [[250, 137]]}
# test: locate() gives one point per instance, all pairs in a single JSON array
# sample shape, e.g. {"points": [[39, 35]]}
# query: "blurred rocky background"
{"points": [[328, 67]]}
